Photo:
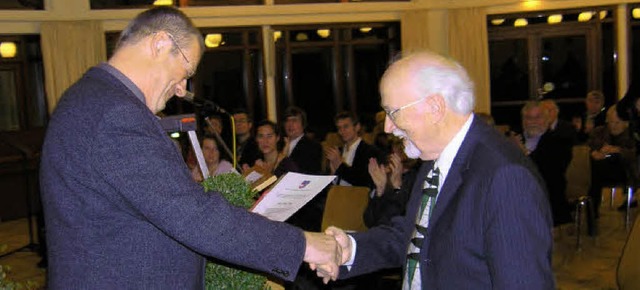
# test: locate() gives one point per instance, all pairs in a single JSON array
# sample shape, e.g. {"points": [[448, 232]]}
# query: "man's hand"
{"points": [[395, 164], [334, 157], [324, 254], [378, 175], [343, 240]]}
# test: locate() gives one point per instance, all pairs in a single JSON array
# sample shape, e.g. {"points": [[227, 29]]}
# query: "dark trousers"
{"points": [[608, 172]]}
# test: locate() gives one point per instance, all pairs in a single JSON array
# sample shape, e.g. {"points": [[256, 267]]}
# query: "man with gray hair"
{"points": [[121, 208], [478, 216]]}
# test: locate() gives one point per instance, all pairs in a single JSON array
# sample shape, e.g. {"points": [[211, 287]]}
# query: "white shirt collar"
{"points": [[451, 150], [349, 152]]}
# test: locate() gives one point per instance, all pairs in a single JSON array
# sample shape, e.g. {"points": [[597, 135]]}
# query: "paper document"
{"points": [[289, 194]]}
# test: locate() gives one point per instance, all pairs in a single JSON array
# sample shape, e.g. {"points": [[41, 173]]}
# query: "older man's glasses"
{"points": [[394, 113], [189, 69]]}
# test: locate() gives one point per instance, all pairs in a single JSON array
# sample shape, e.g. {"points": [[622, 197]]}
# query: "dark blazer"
{"points": [[358, 173], [308, 156], [490, 227], [552, 157], [121, 208]]}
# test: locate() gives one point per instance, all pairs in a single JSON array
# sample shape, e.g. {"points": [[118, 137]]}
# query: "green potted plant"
{"points": [[238, 192]]}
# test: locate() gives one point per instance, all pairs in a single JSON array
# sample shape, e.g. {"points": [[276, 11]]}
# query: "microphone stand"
{"points": [[221, 142]]}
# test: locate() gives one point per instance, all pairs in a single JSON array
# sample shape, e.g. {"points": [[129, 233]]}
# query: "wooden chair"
{"points": [[344, 208]]}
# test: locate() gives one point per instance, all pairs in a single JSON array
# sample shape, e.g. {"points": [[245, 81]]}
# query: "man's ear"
{"points": [[436, 106], [160, 44]]}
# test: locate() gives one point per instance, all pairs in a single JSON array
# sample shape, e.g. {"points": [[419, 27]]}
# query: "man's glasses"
{"points": [[190, 71], [393, 113]]}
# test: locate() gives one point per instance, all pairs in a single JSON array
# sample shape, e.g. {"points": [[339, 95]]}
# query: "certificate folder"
{"points": [[289, 194]]}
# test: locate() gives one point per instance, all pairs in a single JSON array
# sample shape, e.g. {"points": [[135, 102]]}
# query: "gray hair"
{"points": [[436, 74], [162, 18]]}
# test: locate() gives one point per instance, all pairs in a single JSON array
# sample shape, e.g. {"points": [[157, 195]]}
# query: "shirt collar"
{"points": [[124, 79], [451, 150]]}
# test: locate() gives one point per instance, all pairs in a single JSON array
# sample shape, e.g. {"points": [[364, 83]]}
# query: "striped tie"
{"points": [[429, 193]]}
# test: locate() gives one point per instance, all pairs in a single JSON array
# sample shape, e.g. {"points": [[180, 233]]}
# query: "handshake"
{"points": [[326, 252]]}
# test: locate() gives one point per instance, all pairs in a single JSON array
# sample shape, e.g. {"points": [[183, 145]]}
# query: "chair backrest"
{"points": [[628, 273], [344, 208], [579, 172]]}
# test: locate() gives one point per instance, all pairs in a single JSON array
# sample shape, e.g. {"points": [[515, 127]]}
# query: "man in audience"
{"points": [[351, 164], [561, 128], [551, 152], [594, 115], [247, 150], [121, 208], [485, 222], [613, 159], [307, 153]]}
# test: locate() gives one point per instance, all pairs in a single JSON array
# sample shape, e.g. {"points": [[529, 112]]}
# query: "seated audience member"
{"points": [[212, 157], [551, 155], [274, 160], [304, 151], [557, 127], [381, 139], [594, 115], [246, 147], [613, 157], [393, 183], [351, 163]]}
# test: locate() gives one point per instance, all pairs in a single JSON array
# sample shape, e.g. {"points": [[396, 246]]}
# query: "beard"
{"points": [[410, 148]]}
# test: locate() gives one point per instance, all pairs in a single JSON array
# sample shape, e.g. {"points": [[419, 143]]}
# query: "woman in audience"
{"points": [[274, 158], [211, 154]]}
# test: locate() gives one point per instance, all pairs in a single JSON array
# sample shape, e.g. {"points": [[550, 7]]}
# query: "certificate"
{"points": [[289, 194]]}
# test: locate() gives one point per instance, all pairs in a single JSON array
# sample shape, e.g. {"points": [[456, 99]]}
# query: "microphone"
{"points": [[203, 103]]}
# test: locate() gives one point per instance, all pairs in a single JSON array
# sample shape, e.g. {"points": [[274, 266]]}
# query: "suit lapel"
{"points": [[456, 174]]}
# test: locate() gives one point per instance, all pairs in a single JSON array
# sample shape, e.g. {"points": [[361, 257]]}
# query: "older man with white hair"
{"points": [[478, 216]]}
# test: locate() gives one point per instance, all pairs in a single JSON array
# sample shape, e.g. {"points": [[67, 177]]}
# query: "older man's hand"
{"points": [[324, 254]]}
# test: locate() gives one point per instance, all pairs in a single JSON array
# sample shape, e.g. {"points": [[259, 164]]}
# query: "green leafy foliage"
{"points": [[6, 283], [238, 192]]}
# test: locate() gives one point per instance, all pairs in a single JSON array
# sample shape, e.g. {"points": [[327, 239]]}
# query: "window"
{"points": [[325, 69], [22, 98], [560, 55]]}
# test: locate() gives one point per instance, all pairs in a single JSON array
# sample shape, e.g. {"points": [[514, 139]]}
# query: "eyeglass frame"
{"points": [[191, 71], [392, 113]]}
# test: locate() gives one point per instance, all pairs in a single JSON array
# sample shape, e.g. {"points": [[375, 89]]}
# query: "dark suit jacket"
{"points": [[490, 227], [552, 157], [358, 173], [122, 211], [308, 156]]}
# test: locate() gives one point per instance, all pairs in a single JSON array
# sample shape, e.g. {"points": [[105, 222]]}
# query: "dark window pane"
{"points": [[9, 108], [563, 63], [370, 63], [509, 70], [21, 5], [312, 85]]}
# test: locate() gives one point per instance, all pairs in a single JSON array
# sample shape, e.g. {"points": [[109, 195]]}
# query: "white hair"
{"points": [[449, 79]]}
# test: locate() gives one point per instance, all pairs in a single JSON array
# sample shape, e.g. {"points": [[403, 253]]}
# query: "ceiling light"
{"points": [[635, 13], [213, 40], [163, 2], [324, 33], [554, 19], [603, 14], [585, 16], [301, 36], [497, 21], [365, 29], [276, 35], [8, 49], [520, 22]]}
